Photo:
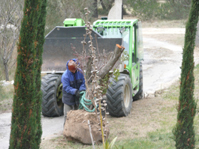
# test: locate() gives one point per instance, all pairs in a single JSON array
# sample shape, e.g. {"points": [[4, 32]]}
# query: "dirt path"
{"points": [[162, 60], [161, 66]]}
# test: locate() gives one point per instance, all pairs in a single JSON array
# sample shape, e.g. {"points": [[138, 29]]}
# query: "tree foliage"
{"points": [[26, 120], [59, 10], [184, 130], [10, 22], [38, 63], [154, 9]]}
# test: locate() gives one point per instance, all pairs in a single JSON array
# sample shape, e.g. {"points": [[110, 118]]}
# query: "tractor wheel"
{"points": [[52, 95], [139, 94], [119, 96]]}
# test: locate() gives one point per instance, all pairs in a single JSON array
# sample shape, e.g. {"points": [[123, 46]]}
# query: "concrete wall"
{"points": [[197, 35], [115, 12]]}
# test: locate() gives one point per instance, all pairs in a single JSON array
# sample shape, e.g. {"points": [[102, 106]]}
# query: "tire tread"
{"points": [[49, 87], [115, 96]]}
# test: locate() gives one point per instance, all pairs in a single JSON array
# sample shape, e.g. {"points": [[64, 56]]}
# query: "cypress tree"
{"points": [[39, 51], [184, 134], [24, 126]]}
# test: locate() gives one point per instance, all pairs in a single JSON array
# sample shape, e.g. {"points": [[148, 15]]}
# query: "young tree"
{"points": [[10, 22], [184, 130], [26, 119]]}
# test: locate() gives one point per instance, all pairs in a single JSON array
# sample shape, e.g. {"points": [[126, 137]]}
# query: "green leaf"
{"points": [[112, 143], [106, 145]]}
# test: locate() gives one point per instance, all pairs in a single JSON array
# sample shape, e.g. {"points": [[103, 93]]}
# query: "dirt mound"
{"points": [[76, 127]]}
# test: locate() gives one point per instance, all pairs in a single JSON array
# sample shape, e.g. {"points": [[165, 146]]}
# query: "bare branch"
{"points": [[10, 22], [12, 49]]}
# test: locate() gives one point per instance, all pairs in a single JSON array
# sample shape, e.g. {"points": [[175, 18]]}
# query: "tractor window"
{"points": [[133, 46], [125, 42], [112, 33], [140, 42]]}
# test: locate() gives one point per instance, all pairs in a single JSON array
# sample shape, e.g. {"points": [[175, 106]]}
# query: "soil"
{"points": [[76, 127]]}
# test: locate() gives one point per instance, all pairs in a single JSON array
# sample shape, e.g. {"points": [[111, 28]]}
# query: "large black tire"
{"points": [[119, 96], [139, 94], [51, 87]]}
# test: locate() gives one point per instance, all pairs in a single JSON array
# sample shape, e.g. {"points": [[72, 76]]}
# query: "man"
{"points": [[73, 83]]}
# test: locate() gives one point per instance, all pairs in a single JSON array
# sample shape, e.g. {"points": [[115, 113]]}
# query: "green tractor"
{"points": [[57, 51]]}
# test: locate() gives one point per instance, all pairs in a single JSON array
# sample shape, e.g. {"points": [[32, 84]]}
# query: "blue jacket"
{"points": [[71, 83]]}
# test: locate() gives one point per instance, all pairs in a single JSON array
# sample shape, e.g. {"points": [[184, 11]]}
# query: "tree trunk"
{"points": [[110, 4], [95, 12], [24, 125], [6, 71], [38, 62], [102, 3], [117, 53], [184, 130]]}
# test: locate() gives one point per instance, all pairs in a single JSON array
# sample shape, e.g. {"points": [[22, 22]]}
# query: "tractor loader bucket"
{"points": [[57, 47]]}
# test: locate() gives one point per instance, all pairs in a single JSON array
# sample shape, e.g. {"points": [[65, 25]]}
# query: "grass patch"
{"points": [[172, 93], [6, 97], [154, 140], [196, 73], [6, 92]]}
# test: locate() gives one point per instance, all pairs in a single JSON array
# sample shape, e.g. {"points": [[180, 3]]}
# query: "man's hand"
{"points": [[77, 94]]}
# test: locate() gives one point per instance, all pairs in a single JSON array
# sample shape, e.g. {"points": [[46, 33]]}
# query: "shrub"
{"points": [[152, 9]]}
